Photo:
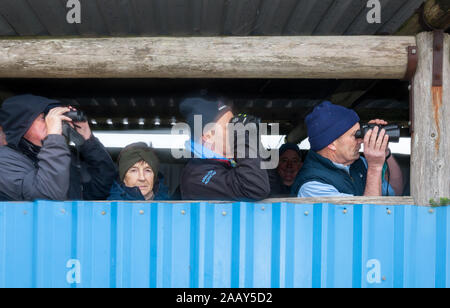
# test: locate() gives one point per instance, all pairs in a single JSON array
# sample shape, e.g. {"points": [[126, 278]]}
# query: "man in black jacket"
{"points": [[37, 163], [219, 175]]}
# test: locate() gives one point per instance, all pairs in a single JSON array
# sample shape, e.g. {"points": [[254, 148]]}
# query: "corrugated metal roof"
{"points": [[54, 244], [201, 17]]}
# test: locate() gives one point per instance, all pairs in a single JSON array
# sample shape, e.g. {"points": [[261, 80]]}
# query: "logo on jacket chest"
{"points": [[207, 178]]}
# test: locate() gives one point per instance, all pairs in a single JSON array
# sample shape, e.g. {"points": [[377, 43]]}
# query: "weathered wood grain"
{"points": [[430, 153], [366, 57], [327, 200]]}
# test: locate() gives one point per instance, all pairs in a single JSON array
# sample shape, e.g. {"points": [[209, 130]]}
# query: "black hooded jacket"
{"points": [[55, 171]]}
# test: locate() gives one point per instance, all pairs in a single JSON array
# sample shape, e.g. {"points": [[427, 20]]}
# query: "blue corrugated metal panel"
{"points": [[83, 244]]}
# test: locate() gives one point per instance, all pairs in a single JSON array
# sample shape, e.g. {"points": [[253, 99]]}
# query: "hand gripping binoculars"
{"points": [[392, 130]]}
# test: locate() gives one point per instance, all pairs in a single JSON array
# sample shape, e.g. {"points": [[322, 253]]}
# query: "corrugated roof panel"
{"points": [[204, 17], [179, 17], [307, 16], [274, 16], [401, 16], [360, 24], [241, 17], [118, 16], [92, 21], [5, 28], [21, 17], [120, 244], [339, 16], [145, 17], [52, 14], [211, 17]]}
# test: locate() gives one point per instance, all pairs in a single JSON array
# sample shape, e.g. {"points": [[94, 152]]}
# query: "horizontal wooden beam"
{"points": [[348, 200], [391, 201], [344, 57]]}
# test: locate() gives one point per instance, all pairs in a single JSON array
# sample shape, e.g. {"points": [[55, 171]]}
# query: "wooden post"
{"points": [[430, 153], [351, 57]]}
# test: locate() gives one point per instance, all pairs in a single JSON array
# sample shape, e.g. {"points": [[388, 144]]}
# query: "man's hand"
{"points": [[384, 123], [54, 120], [83, 129], [375, 147]]}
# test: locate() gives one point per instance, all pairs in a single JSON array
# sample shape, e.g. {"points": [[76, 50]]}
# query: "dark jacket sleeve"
{"points": [[245, 182], [22, 181], [101, 169]]}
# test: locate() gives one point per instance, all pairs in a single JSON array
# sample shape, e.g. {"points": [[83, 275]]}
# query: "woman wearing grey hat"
{"points": [[139, 177]]}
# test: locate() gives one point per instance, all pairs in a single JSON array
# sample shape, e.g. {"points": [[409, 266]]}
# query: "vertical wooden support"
{"points": [[430, 153]]}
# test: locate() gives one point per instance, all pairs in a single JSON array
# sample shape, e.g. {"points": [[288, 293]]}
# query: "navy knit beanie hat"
{"points": [[327, 123], [210, 110]]}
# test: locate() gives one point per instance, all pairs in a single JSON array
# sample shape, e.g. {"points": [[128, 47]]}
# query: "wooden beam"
{"points": [[430, 173], [434, 13], [344, 57], [391, 201], [437, 13]]}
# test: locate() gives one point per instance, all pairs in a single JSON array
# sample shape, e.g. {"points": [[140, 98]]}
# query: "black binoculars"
{"points": [[76, 116], [392, 130], [245, 119]]}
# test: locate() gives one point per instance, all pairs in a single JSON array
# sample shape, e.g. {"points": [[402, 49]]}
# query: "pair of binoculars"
{"points": [[392, 130], [76, 116]]}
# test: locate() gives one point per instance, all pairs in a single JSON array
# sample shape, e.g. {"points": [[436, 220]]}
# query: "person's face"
{"points": [[2, 137], [140, 175], [38, 131], [289, 166], [347, 147], [217, 138]]}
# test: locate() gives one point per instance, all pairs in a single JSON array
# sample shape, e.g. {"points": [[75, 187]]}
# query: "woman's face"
{"points": [[289, 166], [141, 175]]}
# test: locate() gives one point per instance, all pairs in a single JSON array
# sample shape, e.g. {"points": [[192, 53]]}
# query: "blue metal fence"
{"points": [[83, 244]]}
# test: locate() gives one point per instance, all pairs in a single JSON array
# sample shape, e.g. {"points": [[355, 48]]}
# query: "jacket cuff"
{"points": [[91, 143]]}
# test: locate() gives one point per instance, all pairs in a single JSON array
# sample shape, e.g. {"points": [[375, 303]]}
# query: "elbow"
{"points": [[260, 192]]}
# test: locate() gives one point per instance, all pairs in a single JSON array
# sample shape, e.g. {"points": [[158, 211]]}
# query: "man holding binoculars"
{"points": [[334, 167], [38, 163], [216, 173]]}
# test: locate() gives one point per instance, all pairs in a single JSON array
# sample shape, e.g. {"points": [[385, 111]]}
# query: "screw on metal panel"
{"points": [[345, 211], [183, 212], [383, 278], [389, 212], [263, 208], [103, 213], [63, 211], [224, 213], [431, 211], [306, 213], [141, 212]]}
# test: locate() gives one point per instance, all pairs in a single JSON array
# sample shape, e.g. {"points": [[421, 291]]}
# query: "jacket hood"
{"points": [[18, 114]]}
